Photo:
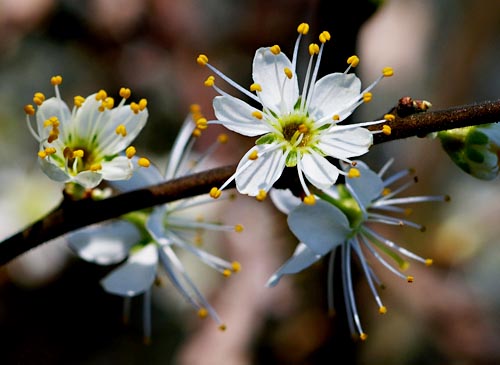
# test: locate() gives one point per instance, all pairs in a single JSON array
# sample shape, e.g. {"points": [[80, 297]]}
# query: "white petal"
{"points": [[112, 143], [87, 122], [318, 170], [279, 93], [88, 179], [52, 170], [119, 168], [261, 173], [52, 107], [104, 244], [345, 143], [333, 94], [236, 115], [321, 226], [135, 276], [284, 200], [178, 151], [302, 258], [141, 178], [367, 187]]}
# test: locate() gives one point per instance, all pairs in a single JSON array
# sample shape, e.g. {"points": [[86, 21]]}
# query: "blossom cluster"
{"points": [[301, 123]]}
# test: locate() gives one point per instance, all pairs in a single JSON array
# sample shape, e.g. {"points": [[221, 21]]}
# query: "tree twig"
{"points": [[72, 215]]}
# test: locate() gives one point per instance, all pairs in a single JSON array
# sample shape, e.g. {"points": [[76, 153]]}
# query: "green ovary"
{"points": [[295, 125]]}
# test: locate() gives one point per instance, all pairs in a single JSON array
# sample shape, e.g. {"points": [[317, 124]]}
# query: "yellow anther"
{"points": [[428, 262], [310, 200], [125, 92], [363, 336], [313, 49], [95, 167], [227, 273], [130, 151], [195, 108], [236, 266], [143, 162], [390, 117], [196, 133], [288, 72], [29, 109], [410, 279], [255, 87], [238, 228], [257, 114], [38, 98], [386, 191], [261, 196], [353, 61], [222, 138], [107, 103], [121, 130], [303, 28], [367, 97], [53, 135], [387, 71], [202, 313], [253, 155], [222, 327], [135, 107], [404, 265], [101, 95], [215, 193], [353, 173], [210, 81], [78, 101], [324, 37], [303, 128], [78, 153], [56, 80], [50, 151], [42, 154], [387, 130], [47, 123], [202, 60], [382, 310], [202, 123], [336, 117], [275, 50], [143, 103]]}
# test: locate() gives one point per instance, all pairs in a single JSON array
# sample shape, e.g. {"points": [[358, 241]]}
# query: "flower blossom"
{"points": [[151, 238], [297, 127], [84, 145], [343, 218]]}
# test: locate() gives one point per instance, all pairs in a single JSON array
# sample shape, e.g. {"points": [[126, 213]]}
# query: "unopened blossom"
{"points": [[474, 149], [343, 221], [298, 124], [149, 240], [84, 145]]}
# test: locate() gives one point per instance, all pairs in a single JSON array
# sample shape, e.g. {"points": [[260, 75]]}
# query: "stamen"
{"points": [[310, 200], [367, 97], [56, 80], [410, 279], [353, 173], [78, 101], [202, 313], [313, 49], [386, 130], [101, 95], [288, 72], [353, 61], [215, 193], [222, 138], [121, 130], [382, 310], [363, 336], [387, 71], [238, 228], [135, 107], [226, 273], [143, 162], [95, 167], [202, 124], [303, 28], [253, 155], [255, 87], [275, 50], [38, 98], [257, 114], [261, 196], [78, 153], [428, 262], [236, 266], [125, 92], [29, 109], [210, 81], [324, 37], [202, 60], [130, 152], [390, 117]]}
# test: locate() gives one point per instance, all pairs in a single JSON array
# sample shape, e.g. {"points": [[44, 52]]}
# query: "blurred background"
{"points": [[52, 308]]}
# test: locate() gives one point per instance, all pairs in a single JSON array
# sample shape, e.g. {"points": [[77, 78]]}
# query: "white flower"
{"points": [[150, 239], [298, 128], [342, 217], [84, 145]]}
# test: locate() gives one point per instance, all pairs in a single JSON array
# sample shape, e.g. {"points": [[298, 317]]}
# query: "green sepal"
{"points": [[266, 139], [291, 159]]}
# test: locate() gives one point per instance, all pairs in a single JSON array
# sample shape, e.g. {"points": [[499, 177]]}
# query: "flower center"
{"points": [[296, 129], [78, 159]]}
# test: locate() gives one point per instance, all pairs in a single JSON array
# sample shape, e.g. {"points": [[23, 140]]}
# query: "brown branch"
{"points": [[71, 215]]}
